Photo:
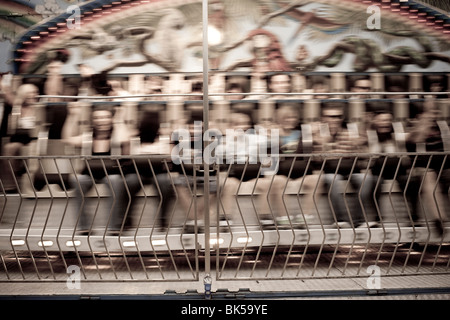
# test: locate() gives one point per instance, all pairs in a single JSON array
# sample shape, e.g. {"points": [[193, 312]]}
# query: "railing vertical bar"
{"points": [[258, 216], [205, 48], [105, 243], [2, 212], [344, 270], [244, 248], [82, 200], [276, 227], [355, 161], [377, 207], [113, 192], [192, 204], [166, 237], [218, 206], [48, 213], [33, 212], [170, 218], [158, 209], [241, 215], [287, 212], [338, 228], [303, 213], [425, 214], [396, 217], [321, 221], [15, 221], [82, 207], [58, 233], [141, 260], [363, 210], [105, 232], [444, 161], [411, 173], [227, 253]]}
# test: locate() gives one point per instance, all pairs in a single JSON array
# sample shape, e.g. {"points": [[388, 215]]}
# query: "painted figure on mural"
{"points": [[262, 35], [368, 54], [267, 53]]}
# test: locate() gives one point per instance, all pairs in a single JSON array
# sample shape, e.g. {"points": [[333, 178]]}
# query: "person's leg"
{"points": [[410, 185], [133, 185], [12, 169], [229, 198], [434, 200], [333, 185], [82, 184], [309, 186], [166, 189], [271, 193], [117, 199], [364, 184]]}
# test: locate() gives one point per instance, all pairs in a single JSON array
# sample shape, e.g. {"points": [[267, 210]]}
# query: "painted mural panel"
{"points": [[157, 36]]}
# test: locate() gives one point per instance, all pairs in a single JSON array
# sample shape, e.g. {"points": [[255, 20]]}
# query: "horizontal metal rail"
{"points": [[212, 94]]}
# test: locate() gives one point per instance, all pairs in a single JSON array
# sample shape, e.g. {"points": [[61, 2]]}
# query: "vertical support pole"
{"points": [[205, 128]]}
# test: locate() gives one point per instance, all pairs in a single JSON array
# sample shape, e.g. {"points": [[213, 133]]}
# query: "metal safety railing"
{"points": [[335, 221], [142, 218]]}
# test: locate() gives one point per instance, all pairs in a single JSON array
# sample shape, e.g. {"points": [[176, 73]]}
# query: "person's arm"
{"points": [[419, 131], [69, 132], [122, 132]]}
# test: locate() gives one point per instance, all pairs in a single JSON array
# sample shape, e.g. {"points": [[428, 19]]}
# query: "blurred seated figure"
{"points": [[54, 85], [196, 89], [279, 84], [292, 168], [236, 87], [87, 87], [320, 86], [22, 130], [117, 89], [396, 83], [7, 100], [435, 83], [187, 162], [239, 154], [360, 84], [333, 136], [384, 138], [106, 138], [428, 134], [52, 171], [151, 170], [154, 85]]}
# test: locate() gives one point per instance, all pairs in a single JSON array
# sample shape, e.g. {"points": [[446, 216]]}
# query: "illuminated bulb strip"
{"points": [[74, 243], [244, 239], [215, 241], [160, 242], [129, 244], [45, 243], [17, 242]]}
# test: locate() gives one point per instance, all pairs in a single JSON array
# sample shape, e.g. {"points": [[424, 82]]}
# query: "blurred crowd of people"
{"points": [[330, 155]]}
